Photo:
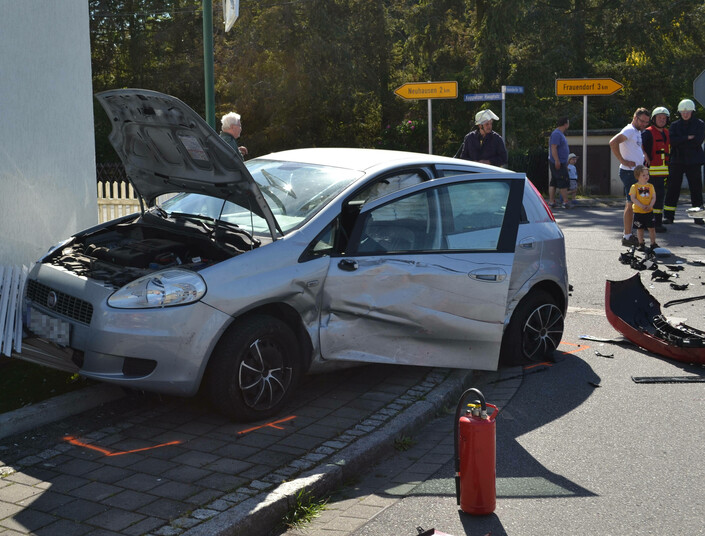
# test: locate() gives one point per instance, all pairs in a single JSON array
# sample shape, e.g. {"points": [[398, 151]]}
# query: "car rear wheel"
{"points": [[534, 332], [254, 368]]}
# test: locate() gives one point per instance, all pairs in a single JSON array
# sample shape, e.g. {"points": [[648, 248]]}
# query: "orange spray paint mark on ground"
{"points": [[578, 347], [268, 425], [108, 452]]}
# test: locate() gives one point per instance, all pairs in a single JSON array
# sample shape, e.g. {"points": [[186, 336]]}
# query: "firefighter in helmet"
{"points": [[657, 147], [687, 157]]}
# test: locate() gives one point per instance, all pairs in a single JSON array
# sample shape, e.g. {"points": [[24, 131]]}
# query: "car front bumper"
{"points": [[163, 350]]}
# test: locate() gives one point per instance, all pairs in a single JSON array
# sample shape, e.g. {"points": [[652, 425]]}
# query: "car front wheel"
{"points": [[254, 368], [534, 332]]}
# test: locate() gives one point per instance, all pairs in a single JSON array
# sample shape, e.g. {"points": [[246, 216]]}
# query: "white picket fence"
{"points": [[12, 280], [116, 199]]}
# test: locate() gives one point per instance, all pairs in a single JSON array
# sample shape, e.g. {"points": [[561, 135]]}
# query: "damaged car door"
{"points": [[424, 279]]}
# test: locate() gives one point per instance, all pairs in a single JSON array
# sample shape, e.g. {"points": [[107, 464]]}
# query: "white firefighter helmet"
{"points": [[485, 115], [660, 110], [686, 105]]}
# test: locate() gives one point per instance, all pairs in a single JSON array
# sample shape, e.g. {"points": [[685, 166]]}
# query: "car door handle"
{"points": [[527, 243], [348, 265], [491, 275]]}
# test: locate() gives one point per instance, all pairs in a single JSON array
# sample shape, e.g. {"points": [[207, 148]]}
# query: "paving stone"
{"points": [[143, 527], [115, 519], [222, 482], [165, 509], [95, 491], [129, 500], [50, 500], [175, 490], [79, 510], [153, 466], [140, 482], [108, 474], [204, 497], [64, 527], [195, 458], [18, 492], [27, 520], [185, 473]]}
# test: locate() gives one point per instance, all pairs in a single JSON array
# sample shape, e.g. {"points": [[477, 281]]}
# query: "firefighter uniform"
{"points": [[657, 145]]}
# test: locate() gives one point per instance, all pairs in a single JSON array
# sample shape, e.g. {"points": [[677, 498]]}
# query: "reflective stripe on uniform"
{"points": [[659, 171], [672, 209]]}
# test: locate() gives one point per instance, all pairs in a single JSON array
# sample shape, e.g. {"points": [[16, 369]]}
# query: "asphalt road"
{"points": [[581, 448]]}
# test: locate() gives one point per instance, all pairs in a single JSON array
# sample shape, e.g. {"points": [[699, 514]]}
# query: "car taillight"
{"points": [[543, 201]]}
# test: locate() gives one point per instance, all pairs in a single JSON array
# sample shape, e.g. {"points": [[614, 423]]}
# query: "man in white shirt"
{"points": [[626, 147]]}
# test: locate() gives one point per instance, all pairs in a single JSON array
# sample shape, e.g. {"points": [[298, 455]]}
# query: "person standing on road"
{"points": [[627, 148], [572, 175], [231, 128], [558, 154], [643, 196], [687, 156], [483, 144], [657, 146]]}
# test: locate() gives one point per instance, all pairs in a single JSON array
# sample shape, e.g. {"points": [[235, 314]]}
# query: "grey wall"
{"points": [[47, 155]]}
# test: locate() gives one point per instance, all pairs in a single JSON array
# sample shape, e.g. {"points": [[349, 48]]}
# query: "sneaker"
{"points": [[631, 241], [642, 247], [552, 205], [653, 246]]}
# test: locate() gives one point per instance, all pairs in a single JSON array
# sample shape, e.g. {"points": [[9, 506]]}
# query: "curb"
{"points": [[57, 408], [263, 512]]}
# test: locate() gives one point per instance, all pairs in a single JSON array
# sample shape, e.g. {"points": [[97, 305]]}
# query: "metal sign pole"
{"points": [[504, 99], [430, 129], [585, 143]]}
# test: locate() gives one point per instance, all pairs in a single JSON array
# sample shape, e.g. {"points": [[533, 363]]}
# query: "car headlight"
{"points": [[160, 289]]}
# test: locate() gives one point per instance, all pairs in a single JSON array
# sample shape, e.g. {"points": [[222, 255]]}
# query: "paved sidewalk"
{"points": [[400, 474], [172, 467]]}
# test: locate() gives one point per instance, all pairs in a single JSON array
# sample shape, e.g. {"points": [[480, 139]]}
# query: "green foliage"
{"points": [[23, 383], [409, 135], [404, 443], [304, 509], [323, 72]]}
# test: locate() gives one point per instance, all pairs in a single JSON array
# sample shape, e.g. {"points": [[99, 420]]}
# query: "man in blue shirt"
{"points": [[558, 159]]}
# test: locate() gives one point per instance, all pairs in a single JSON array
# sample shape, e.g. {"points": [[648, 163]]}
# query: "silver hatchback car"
{"points": [[237, 278]]}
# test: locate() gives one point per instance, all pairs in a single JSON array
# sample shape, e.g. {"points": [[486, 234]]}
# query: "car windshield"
{"points": [[294, 192]]}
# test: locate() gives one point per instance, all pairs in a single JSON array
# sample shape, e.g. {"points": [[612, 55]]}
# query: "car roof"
{"points": [[369, 159]]}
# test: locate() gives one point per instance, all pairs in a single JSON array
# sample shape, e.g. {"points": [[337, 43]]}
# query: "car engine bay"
{"points": [[127, 250]]}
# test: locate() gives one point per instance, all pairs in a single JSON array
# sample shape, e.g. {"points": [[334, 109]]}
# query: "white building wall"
{"points": [[47, 152]]}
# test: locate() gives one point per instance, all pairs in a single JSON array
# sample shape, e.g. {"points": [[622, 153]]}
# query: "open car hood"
{"points": [[166, 147]]}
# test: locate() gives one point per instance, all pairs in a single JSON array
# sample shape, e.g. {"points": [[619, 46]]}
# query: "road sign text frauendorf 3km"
{"points": [[578, 87], [428, 90]]}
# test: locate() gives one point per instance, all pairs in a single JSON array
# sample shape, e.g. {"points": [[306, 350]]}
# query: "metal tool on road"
{"points": [[475, 455]]}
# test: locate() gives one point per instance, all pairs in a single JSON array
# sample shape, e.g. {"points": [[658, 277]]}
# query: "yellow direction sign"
{"points": [[428, 90], [586, 86]]}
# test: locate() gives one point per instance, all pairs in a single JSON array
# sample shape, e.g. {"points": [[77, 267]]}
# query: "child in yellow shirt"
{"points": [[643, 196]]}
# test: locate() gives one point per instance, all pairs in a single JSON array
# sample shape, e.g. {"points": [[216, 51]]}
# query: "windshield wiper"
{"points": [[276, 182]]}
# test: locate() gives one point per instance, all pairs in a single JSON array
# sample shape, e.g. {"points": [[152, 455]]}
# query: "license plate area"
{"points": [[49, 328]]}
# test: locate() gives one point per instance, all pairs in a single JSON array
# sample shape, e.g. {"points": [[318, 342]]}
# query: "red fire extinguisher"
{"points": [[475, 455]]}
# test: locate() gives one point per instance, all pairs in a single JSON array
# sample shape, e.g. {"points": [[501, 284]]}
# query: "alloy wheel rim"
{"points": [[264, 376], [543, 331]]}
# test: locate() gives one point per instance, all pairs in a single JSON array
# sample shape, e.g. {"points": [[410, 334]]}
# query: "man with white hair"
{"points": [[483, 144], [231, 128]]}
